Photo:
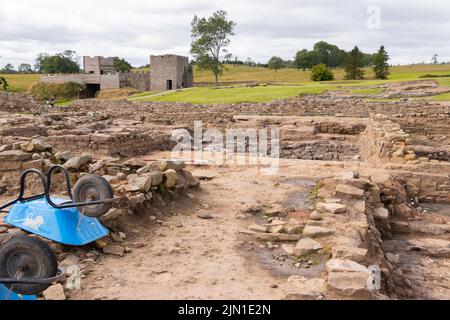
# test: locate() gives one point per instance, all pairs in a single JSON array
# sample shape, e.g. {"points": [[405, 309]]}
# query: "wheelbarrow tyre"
{"points": [[93, 187], [32, 253]]}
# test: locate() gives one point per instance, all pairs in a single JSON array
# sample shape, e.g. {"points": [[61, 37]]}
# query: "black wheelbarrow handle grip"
{"points": [[56, 278]]}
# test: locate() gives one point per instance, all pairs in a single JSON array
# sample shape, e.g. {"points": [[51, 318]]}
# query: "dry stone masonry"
{"points": [[382, 166]]}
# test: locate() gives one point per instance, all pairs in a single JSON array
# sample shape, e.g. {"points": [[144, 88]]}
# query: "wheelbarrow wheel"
{"points": [[92, 187], [25, 257]]}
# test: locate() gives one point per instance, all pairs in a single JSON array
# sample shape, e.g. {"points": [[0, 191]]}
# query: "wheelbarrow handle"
{"points": [[20, 197], [50, 172], [61, 274], [70, 204]]}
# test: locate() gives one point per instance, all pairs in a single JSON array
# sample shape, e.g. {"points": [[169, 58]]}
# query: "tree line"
{"points": [[65, 62], [211, 37], [325, 57]]}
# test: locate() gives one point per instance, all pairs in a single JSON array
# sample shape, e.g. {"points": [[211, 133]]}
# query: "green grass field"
{"points": [[288, 83], [367, 91], [20, 82], [209, 95], [284, 83], [290, 75]]}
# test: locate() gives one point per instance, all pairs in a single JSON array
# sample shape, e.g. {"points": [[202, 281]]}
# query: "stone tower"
{"points": [[98, 65], [170, 72]]}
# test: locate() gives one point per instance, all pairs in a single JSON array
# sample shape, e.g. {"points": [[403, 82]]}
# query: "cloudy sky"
{"points": [[411, 30]]}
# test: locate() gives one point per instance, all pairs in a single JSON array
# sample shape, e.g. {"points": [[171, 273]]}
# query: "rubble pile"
{"points": [[17, 102], [133, 180]]}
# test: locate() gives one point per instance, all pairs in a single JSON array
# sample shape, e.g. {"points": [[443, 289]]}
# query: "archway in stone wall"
{"points": [[92, 89]]}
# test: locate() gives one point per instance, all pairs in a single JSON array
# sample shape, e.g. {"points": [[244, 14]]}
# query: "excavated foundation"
{"points": [[381, 172]]}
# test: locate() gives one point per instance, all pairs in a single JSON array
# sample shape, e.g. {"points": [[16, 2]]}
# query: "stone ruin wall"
{"points": [[385, 145], [124, 144], [140, 81], [388, 141], [17, 102], [63, 78], [183, 112]]}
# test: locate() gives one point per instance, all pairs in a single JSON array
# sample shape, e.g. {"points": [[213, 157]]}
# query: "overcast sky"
{"points": [[411, 30]]}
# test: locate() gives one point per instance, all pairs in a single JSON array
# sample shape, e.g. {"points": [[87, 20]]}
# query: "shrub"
{"points": [[321, 72], [3, 84], [42, 91]]}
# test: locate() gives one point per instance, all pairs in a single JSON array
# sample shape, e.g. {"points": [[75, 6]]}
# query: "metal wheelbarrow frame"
{"points": [[59, 220]]}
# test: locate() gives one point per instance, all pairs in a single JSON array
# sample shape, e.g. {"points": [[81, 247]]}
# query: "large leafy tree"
{"points": [[354, 64], [210, 37], [329, 54], [65, 62], [305, 59], [24, 68], [122, 65], [380, 64], [275, 63]]}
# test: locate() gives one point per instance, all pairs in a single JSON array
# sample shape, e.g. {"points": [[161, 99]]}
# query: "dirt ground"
{"points": [[187, 257], [184, 256]]}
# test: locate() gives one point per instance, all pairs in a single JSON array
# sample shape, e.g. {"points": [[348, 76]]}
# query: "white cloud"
{"points": [[411, 30]]}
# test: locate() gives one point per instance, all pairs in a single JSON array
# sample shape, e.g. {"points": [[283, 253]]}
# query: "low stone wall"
{"points": [[384, 141], [64, 78], [134, 180], [426, 187], [160, 112], [351, 217], [124, 144]]}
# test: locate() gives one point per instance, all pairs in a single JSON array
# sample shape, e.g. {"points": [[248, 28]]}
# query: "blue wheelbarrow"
{"points": [[27, 264]]}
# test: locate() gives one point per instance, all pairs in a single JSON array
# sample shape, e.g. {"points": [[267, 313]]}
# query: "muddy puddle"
{"points": [[438, 208], [300, 198], [279, 263]]}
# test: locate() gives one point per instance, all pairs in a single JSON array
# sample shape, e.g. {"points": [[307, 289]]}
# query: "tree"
{"points": [[380, 64], [329, 54], [354, 64], [121, 65], [3, 83], [321, 72], [303, 59], [249, 62], [65, 62], [275, 63], [24, 68], [434, 58], [210, 37], [8, 68], [368, 59]]}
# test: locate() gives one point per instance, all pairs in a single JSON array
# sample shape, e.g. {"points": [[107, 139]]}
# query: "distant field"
{"points": [[245, 73], [285, 83], [20, 82]]}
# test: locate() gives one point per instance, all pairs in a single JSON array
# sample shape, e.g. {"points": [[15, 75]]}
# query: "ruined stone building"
{"points": [[168, 72], [98, 65]]}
